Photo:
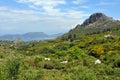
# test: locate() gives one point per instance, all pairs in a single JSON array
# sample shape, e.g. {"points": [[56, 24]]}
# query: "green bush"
{"points": [[12, 67], [75, 53], [31, 74], [83, 73], [3, 72]]}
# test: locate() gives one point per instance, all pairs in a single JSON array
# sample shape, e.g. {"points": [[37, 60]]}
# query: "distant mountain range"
{"points": [[95, 24], [30, 36]]}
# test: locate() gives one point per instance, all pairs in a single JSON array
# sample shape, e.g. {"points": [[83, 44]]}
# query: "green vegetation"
{"points": [[26, 60], [69, 57]]}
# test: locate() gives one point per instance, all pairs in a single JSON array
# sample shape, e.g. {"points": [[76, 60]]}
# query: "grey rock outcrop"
{"points": [[93, 18]]}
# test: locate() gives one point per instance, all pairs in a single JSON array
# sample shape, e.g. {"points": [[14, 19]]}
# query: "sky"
{"points": [[51, 16]]}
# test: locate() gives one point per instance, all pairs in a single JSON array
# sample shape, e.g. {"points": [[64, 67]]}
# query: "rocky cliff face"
{"points": [[93, 18]]}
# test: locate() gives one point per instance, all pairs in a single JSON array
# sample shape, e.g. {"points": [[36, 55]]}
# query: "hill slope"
{"points": [[90, 57], [96, 23]]}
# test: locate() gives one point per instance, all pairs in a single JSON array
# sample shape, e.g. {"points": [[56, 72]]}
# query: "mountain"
{"points": [[35, 34], [29, 36], [96, 23], [10, 37], [56, 35]]}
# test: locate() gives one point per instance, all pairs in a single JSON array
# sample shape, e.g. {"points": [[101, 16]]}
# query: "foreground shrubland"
{"points": [[61, 59]]}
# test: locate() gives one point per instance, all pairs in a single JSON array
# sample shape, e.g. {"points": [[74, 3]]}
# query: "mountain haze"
{"points": [[30, 36]]}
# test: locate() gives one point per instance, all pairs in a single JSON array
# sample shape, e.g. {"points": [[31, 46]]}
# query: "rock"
{"points": [[97, 61], [94, 17], [64, 62], [48, 59]]}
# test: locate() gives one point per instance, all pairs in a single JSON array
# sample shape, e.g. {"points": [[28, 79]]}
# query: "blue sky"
{"points": [[50, 16]]}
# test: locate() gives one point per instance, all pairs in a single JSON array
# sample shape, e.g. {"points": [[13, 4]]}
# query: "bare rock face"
{"points": [[93, 18]]}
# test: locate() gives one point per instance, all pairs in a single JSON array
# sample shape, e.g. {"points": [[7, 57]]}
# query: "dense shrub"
{"points": [[31, 74], [83, 73]]}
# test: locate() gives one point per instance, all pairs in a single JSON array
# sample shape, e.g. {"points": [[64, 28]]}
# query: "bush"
{"points": [[31, 74], [12, 67], [3, 72], [75, 53], [112, 60], [83, 73]]}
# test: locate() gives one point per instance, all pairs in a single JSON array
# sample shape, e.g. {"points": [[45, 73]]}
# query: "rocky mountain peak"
{"points": [[93, 18]]}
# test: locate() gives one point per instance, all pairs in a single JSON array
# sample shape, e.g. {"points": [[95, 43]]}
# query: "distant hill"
{"points": [[95, 24], [30, 36]]}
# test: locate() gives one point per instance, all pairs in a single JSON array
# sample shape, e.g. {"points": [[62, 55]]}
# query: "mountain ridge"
{"points": [[29, 36], [93, 18], [95, 24]]}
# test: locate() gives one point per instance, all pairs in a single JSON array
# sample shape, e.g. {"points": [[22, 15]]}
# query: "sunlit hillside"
{"points": [[90, 51]]}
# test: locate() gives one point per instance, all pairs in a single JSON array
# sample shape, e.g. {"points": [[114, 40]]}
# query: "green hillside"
{"points": [[72, 56], [95, 24]]}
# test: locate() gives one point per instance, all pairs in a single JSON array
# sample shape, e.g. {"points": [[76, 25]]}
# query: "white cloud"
{"points": [[43, 2], [17, 15], [28, 20], [106, 3], [85, 7], [7, 28], [33, 7], [3, 8], [42, 15], [79, 1], [48, 5], [76, 14]]}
